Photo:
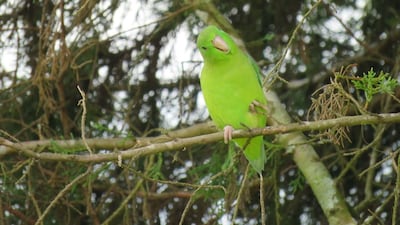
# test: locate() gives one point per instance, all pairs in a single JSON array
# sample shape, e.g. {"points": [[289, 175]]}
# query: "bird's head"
{"points": [[214, 44]]}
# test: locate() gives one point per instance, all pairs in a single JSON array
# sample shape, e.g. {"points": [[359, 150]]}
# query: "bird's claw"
{"points": [[255, 107], [228, 130]]}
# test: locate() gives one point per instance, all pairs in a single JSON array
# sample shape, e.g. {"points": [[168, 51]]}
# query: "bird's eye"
{"points": [[204, 48]]}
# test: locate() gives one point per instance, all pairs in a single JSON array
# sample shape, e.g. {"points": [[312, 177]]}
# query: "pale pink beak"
{"points": [[220, 44]]}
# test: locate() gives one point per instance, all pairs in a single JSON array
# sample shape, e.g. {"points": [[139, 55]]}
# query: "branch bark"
{"points": [[181, 139]]}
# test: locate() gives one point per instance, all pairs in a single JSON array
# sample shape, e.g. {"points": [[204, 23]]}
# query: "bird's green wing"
{"points": [[257, 69]]}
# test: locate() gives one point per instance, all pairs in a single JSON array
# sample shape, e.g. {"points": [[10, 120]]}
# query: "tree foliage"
{"points": [[138, 91]]}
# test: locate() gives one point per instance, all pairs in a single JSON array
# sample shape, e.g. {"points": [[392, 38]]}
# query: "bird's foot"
{"points": [[228, 130], [255, 107]]}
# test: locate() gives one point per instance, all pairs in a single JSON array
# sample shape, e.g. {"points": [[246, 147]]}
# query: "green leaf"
{"points": [[298, 182], [373, 83]]}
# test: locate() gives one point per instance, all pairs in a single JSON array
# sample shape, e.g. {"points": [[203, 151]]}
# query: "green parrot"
{"points": [[231, 84]]}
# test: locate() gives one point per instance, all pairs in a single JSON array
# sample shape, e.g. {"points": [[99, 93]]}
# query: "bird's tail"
{"points": [[254, 151]]}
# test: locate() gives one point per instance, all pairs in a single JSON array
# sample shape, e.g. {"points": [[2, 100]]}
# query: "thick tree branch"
{"points": [[96, 144], [172, 141]]}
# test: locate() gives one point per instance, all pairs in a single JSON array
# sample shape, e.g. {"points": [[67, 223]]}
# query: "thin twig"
{"points": [[369, 219], [61, 193], [192, 197], [278, 65], [82, 102], [123, 203], [262, 203], [276, 176], [240, 194], [396, 192]]}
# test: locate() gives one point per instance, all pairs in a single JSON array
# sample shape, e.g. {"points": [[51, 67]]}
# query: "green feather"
{"points": [[230, 82]]}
